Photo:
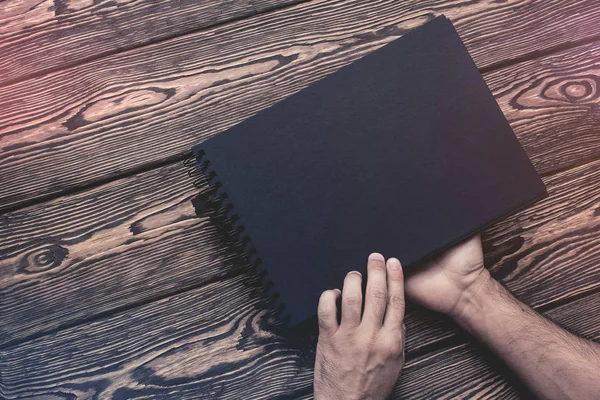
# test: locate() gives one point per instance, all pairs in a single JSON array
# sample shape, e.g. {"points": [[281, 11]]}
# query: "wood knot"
{"points": [[573, 89], [121, 105], [43, 259], [577, 90]]}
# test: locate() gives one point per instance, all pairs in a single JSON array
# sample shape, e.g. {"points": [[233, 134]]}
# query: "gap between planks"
{"points": [[385, 23], [164, 221], [151, 41], [179, 158]]}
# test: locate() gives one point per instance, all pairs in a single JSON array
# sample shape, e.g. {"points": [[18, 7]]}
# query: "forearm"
{"points": [[551, 361]]}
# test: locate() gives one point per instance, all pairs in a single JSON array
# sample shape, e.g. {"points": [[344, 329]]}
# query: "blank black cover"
{"points": [[403, 152]]}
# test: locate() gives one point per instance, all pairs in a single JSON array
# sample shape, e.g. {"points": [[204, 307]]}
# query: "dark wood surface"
{"points": [[109, 284], [66, 32], [551, 103], [137, 238], [207, 342], [138, 109], [215, 342]]}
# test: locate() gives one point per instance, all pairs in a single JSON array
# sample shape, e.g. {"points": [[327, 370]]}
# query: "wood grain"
{"points": [[217, 342], [42, 35], [119, 244], [206, 343], [133, 109], [551, 251], [136, 239], [552, 104]]}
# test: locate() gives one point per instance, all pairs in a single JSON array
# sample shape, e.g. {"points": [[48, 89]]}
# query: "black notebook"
{"points": [[404, 152]]}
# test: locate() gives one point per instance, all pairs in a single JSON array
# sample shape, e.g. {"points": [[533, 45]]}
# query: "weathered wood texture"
{"points": [[215, 341], [204, 343], [122, 243], [133, 109], [136, 239], [552, 104], [41, 35], [136, 243]]}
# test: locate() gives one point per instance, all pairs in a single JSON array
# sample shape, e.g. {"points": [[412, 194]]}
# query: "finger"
{"points": [[352, 300], [394, 314], [327, 312], [376, 294]]}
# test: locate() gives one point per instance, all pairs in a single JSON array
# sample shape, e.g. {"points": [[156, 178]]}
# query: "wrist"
{"points": [[473, 299]]}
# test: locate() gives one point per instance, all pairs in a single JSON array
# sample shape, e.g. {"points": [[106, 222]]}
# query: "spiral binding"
{"points": [[211, 201]]}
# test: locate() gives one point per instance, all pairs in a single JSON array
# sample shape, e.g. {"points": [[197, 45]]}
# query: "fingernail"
{"points": [[394, 263], [355, 272], [376, 257], [337, 290]]}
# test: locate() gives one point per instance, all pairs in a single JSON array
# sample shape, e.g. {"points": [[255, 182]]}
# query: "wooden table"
{"points": [[110, 287]]}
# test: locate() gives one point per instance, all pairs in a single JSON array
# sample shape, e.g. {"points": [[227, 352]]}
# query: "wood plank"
{"points": [[552, 105], [129, 241], [206, 343], [216, 341], [130, 110], [42, 35], [118, 244]]}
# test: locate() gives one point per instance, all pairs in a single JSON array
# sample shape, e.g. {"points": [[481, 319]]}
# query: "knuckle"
{"points": [[396, 348], [351, 300], [393, 345], [378, 292], [397, 300]]}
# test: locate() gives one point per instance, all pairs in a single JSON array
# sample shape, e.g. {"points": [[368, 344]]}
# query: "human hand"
{"points": [[445, 283], [362, 358]]}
